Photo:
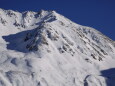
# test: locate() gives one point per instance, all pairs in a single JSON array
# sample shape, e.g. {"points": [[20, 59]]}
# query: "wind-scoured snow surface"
{"points": [[46, 49]]}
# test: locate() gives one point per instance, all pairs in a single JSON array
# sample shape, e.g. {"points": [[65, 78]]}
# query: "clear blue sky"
{"points": [[99, 14]]}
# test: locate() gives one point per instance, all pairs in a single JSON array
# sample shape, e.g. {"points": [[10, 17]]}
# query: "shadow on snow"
{"points": [[16, 41], [110, 76]]}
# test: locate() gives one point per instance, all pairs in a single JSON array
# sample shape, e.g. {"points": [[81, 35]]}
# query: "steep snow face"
{"points": [[46, 49]]}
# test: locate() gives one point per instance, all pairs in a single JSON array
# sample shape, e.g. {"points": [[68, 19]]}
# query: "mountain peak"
{"points": [[46, 49], [27, 18]]}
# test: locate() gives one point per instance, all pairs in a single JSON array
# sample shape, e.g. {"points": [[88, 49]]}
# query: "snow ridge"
{"points": [[46, 49]]}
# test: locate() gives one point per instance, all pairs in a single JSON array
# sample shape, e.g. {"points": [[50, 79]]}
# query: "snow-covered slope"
{"points": [[46, 49]]}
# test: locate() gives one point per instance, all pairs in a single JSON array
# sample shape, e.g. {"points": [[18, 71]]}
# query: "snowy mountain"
{"points": [[46, 49]]}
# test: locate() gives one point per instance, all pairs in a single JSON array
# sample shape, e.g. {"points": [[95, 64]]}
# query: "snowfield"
{"points": [[46, 49]]}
